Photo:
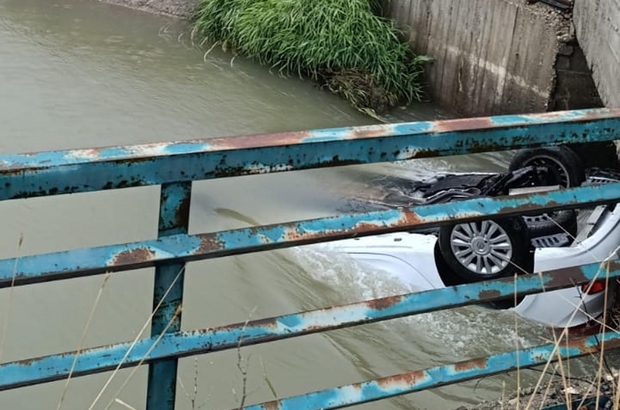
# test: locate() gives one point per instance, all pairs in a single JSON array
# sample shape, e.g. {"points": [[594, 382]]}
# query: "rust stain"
{"points": [[601, 113], [295, 235], [578, 343], [271, 405], [370, 132], [581, 344], [257, 140], [471, 364], [366, 227], [410, 379], [292, 234], [612, 344], [612, 265], [26, 362], [384, 303], [92, 153], [530, 208], [552, 114], [489, 294], [210, 243], [464, 124], [566, 277], [133, 256], [267, 323], [308, 329], [411, 218]]}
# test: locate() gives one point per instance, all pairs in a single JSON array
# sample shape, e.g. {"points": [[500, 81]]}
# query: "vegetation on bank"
{"points": [[344, 45]]}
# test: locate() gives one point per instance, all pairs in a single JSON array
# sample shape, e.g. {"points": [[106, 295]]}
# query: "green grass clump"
{"points": [[341, 44]]}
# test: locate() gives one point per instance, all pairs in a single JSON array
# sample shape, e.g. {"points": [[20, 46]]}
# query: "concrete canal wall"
{"points": [[597, 25], [497, 56]]}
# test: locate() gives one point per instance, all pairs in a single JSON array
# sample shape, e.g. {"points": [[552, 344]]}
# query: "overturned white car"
{"points": [[469, 252]]}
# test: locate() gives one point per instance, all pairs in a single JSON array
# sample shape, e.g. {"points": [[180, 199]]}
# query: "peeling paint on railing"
{"points": [[85, 170], [179, 344], [358, 393], [175, 165], [113, 258]]}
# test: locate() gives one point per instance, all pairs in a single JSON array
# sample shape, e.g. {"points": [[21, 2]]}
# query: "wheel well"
{"points": [[448, 277]]}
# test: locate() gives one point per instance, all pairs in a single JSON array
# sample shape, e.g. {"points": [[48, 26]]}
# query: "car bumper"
{"points": [[565, 307]]}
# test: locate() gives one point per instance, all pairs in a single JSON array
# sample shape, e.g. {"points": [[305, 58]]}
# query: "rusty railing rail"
{"points": [[176, 165]]}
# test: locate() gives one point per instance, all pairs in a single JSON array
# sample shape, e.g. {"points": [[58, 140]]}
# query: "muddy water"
{"points": [[82, 74]]}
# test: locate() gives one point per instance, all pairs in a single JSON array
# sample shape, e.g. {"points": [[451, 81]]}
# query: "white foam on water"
{"points": [[468, 331], [355, 280]]}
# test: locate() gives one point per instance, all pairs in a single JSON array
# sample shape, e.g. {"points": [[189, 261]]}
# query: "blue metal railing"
{"points": [[175, 165]]}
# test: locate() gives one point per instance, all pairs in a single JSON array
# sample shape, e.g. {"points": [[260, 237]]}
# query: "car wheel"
{"points": [[486, 249], [565, 166], [567, 170]]}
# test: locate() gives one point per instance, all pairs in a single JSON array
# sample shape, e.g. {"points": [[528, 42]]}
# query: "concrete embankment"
{"points": [[598, 30], [497, 57]]}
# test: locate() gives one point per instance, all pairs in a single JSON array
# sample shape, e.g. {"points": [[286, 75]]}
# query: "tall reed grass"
{"points": [[342, 44]]}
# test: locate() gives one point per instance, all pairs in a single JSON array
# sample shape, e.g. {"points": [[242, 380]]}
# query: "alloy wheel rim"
{"points": [[481, 247]]}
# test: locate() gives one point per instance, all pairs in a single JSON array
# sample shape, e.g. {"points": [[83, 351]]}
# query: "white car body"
{"points": [[411, 258]]}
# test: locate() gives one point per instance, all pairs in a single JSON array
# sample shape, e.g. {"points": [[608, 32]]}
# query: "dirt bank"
{"points": [[175, 8], [558, 394]]}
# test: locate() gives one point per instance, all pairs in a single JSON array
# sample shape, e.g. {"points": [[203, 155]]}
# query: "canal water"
{"points": [[85, 74]]}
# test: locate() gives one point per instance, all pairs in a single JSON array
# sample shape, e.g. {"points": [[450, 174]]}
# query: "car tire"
{"points": [[569, 170], [564, 162], [488, 249]]}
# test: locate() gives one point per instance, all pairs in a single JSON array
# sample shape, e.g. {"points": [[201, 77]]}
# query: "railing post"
{"points": [[173, 219]]}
